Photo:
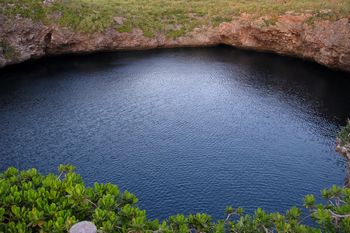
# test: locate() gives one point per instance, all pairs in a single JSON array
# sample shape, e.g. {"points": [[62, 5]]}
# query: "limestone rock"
{"points": [[83, 227], [326, 42], [119, 20]]}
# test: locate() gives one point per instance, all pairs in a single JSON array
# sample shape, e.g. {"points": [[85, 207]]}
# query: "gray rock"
{"points": [[119, 20], [83, 227]]}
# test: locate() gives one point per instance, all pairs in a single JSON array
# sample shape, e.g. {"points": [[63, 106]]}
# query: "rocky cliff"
{"points": [[324, 41]]}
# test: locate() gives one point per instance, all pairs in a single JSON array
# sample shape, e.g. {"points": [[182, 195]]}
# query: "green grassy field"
{"points": [[171, 17]]}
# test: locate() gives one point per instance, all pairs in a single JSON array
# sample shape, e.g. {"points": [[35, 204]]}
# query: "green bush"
{"points": [[32, 202], [344, 135]]}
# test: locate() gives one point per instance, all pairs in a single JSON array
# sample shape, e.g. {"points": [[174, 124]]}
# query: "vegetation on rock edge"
{"points": [[7, 50], [344, 135], [172, 18]]}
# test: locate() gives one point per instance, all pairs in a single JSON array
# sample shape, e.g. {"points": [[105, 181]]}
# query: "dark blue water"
{"points": [[186, 130]]}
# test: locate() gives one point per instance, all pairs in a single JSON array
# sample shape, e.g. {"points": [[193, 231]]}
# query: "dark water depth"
{"points": [[186, 130]]}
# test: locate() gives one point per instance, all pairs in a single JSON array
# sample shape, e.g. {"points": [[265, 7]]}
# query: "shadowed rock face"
{"points": [[323, 41]]}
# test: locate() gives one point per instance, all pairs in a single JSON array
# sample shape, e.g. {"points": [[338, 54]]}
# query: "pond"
{"points": [[186, 130]]}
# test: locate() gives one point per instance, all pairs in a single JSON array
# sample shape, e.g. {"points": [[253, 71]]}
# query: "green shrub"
{"points": [[32, 202], [125, 28], [7, 50], [176, 33], [344, 135]]}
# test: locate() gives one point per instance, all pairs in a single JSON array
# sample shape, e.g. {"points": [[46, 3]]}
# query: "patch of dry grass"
{"points": [[172, 17]]}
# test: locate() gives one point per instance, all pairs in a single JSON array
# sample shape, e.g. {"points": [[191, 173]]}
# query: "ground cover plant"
{"points": [[32, 202], [172, 18]]}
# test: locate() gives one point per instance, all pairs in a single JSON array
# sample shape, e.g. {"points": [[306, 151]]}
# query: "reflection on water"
{"points": [[186, 130]]}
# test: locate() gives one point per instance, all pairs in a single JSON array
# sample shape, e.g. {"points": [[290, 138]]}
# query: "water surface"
{"points": [[186, 130]]}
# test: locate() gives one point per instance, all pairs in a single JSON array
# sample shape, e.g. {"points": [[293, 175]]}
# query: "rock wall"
{"points": [[326, 42], [323, 41], [344, 150]]}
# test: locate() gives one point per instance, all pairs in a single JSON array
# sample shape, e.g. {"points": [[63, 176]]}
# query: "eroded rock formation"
{"points": [[326, 42]]}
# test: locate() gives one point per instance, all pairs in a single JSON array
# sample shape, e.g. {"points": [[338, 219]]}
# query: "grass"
{"points": [[32, 9], [170, 17]]}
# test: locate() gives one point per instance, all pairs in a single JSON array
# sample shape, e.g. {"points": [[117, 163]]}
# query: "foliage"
{"points": [[7, 50], [344, 135], [173, 18], [32, 9], [216, 20], [270, 21], [32, 202], [177, 33]]}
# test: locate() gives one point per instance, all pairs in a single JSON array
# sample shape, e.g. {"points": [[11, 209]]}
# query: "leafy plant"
{"points": [[32, 202]]}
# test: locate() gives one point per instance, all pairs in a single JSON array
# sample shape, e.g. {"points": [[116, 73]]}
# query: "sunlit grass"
{"points": [[171, 17]]}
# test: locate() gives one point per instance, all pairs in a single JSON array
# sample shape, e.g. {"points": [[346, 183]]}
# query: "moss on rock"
{"points": [[7, 50]]}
